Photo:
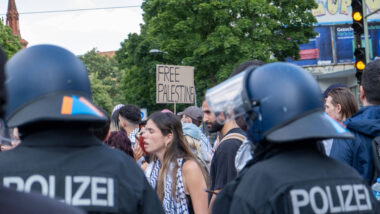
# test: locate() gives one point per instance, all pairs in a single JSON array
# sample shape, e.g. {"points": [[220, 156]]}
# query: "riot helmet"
{"points": [[281, 103], [47, 83]]}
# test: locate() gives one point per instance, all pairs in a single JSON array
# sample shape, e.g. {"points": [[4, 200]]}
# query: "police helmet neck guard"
{"points": [[285, 104], [47, 83]]}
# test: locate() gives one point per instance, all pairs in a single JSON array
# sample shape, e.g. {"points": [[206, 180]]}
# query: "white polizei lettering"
{"points": [[77, 199], [68, 189], [331, 202], [349, 199], [97, 190], [299, 203], [361, 197], [110, 192], [325, 206], [52, 186], [340, 196], [37, 179], [100, 190], [8, 181], [368, 199]]}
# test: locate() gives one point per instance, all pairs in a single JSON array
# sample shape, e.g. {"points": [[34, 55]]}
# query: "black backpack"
{"points": [[376, 159]]}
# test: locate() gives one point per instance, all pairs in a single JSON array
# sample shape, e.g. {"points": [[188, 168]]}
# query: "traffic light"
{"points": [[357, 16], [358, 26], [359, 59]]}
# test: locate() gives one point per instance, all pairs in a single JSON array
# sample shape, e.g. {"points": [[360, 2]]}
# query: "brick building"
{"points": [[12, 22]]}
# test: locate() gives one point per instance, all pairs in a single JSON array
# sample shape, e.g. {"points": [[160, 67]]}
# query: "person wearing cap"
{"points": [[365, 125], [288, 173], [194, 115], [50, 102]]}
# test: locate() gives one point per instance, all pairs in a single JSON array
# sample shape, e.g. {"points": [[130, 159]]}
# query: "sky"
{"points": [[79, 31]]}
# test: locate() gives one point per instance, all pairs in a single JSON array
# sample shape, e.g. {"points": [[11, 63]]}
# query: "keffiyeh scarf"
{"points": [[170, 204]]}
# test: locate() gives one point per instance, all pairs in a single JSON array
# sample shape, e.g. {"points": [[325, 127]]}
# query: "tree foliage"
{"points": [[105, 77], [138, 82], [8, 42], [214, 36]]}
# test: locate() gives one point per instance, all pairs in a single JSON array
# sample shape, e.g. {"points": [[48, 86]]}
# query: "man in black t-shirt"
{"points": [[222, 168]]}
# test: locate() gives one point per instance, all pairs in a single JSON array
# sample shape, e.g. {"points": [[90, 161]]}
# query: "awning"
{"points": [[339, 74]]}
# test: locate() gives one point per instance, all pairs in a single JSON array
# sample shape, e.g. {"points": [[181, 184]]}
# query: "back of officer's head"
{"points": [[287, 105], [47, 84], [371, 82]]}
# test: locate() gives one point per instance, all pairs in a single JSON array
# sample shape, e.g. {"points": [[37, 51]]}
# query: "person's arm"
{"points": [[195, 184], [213, 199]]}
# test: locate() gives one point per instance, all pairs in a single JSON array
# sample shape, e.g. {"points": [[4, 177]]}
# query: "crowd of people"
{"points": [[266, 140]]}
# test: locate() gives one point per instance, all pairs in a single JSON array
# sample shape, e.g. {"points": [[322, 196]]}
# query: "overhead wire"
{"points": [[75, 10]]}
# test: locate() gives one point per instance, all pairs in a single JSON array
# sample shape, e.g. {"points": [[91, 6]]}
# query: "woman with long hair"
{"points": [[175, 174]]}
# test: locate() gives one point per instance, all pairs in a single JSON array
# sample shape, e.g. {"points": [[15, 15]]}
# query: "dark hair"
{"points": [[332, 86], [131, 113], [120, 140], [371, 82], [178, 148], [346, 99], [102, 132], [245, 65]]}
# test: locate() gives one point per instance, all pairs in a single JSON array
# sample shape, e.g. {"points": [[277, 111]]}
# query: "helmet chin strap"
{"points": [[254, 131]]}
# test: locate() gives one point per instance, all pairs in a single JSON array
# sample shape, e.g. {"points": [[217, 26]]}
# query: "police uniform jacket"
{"points": [[13, 202], [78, 169], [302, 181]]}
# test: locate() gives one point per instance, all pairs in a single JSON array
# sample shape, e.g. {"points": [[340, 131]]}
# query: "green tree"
{"points": [[8, 42], [138, 82], [105, 76], [214, 36]]}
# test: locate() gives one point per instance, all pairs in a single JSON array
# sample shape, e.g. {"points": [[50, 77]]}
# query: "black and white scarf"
{"points": [[172, 205]]}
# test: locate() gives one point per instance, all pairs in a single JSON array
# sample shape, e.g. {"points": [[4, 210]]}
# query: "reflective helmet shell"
{"points": [[287, 105], [48, 83]]}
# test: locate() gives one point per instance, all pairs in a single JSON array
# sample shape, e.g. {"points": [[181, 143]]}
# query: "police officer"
{"points": [[289, 173], [50, 103], [13, 202]]}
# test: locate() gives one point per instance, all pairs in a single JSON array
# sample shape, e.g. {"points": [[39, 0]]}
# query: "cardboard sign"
{"points": [[174, 84]]}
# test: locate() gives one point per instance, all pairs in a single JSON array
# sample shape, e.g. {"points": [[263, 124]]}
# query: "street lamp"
{"points": [[157, 51]]}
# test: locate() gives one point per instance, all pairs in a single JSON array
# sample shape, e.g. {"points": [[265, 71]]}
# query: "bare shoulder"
{"points": [[190, 166]]}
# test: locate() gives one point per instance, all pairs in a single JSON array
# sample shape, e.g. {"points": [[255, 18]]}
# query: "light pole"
{"points": [[365, 22]]}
